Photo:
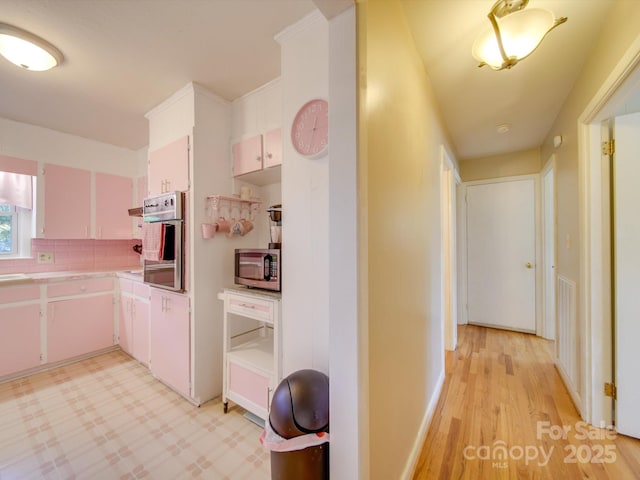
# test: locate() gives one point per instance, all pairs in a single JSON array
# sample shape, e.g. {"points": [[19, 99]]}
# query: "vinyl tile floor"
{"points": [[107, 418]]}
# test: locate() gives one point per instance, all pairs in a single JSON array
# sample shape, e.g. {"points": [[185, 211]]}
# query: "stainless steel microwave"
{"points": [[258, 268]]}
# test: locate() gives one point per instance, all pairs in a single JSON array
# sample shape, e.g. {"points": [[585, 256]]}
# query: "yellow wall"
{"points": [[620, 29], [505, 165], [400, 135]]}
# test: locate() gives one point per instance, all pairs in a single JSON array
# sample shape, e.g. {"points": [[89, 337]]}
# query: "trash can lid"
{"points": [[300, 404]]}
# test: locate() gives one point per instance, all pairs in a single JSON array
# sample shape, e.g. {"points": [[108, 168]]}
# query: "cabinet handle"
{"points": [[258, 158], [269, 390], [246, 305], [269, 155]]}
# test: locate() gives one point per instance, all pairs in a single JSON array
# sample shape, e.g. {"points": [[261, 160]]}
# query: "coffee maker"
{"points": [[275, 217]]}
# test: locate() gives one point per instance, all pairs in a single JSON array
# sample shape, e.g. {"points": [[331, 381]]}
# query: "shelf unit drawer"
{"points": [[80, 287], [250, 307], [249, 388]]}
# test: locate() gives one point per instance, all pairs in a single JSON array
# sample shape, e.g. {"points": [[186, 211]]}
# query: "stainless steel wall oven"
{"points": [[163, 241]]}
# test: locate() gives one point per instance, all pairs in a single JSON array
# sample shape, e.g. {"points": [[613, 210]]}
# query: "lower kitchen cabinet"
{"points": [[78, 326], [170, 339], [20, 338], [133, 334]]}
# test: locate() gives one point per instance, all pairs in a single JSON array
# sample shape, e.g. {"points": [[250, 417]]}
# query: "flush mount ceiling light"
{"points": [[514, 33], [27, 50]]}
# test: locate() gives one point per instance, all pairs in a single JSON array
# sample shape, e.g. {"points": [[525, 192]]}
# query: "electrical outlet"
{"points": [[45, 257]]}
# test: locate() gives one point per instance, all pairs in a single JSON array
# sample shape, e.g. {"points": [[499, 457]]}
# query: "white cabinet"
{"points": [[80, 318], [133, 335], [169, 344], [251, 346]]}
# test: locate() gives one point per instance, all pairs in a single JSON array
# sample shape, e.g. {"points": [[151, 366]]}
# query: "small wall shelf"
{"points": [[224, 212]]}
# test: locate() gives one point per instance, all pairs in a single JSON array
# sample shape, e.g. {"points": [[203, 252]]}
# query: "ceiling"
{"points": [[122, 58], [528, 97]]}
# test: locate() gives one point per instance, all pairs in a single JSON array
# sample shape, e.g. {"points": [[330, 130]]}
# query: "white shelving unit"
{"points": [[251, 348]]}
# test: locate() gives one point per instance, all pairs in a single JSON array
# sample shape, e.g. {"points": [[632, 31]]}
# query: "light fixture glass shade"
{"points": [[521, 32], [27, 50]]}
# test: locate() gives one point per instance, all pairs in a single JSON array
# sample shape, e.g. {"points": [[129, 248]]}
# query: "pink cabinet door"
{"points": [[170, 339], [20, 338], [273, 148], [247, 155], [114, 198], [140, 329], [169, 167], [67, 202], [251, 386], [125, 335], [79, 326]]}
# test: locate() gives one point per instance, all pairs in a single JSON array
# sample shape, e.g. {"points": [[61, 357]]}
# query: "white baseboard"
{"points": [[422, 432]]}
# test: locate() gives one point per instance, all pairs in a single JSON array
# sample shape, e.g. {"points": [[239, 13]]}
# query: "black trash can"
{"points": [[300, 406]]}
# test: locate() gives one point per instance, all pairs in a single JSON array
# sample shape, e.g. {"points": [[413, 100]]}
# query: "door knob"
{"points": [[528, 265]]}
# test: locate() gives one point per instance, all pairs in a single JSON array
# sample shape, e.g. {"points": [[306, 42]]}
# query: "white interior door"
{"points": [[501, 253], [626, 225]]}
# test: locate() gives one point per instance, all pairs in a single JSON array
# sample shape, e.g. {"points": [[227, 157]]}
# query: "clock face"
{"points": [[310, 129]]}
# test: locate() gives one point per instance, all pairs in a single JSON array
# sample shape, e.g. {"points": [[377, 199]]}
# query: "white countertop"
{"points": [[12, 279], [254, 291]]}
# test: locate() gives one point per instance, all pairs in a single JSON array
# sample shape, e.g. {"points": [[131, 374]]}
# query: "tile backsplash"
{"points": [[75, 255]]}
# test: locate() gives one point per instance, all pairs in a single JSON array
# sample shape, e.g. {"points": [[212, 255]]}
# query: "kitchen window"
{"points": [[16, 214], [8, 229]]}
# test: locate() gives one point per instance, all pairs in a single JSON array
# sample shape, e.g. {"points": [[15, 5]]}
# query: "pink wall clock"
{"points": [[310, 129]]}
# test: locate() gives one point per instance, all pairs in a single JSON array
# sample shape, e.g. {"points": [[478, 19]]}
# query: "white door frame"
{"points": [[595, 281], [549, 326], [449, 179], [462, 251]]}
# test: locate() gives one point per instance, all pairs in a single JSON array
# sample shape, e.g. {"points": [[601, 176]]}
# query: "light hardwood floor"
{"points": [[504, 413]]}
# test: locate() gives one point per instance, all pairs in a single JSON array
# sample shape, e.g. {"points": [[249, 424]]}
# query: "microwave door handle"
{"points": [[266, 267]]}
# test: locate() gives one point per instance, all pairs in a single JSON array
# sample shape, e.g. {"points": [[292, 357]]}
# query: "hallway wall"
{"points": [[620, 30], [399, 188], [510, 164]]}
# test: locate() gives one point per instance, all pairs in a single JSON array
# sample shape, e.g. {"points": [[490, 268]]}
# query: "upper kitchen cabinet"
{"points": [[273, 148], [68, 199], [169, 167], [256, 150], [247, 155], [113, 200], [67, 203]]}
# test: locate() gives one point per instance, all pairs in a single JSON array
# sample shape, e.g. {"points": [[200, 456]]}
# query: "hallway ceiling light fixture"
{"points": [[27, 50], [514, 33]]}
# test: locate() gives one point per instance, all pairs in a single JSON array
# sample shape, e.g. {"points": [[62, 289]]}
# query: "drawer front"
{"points": [[19, 294], [141, 290], [250, 385], [80, 287], [250, 307]]}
